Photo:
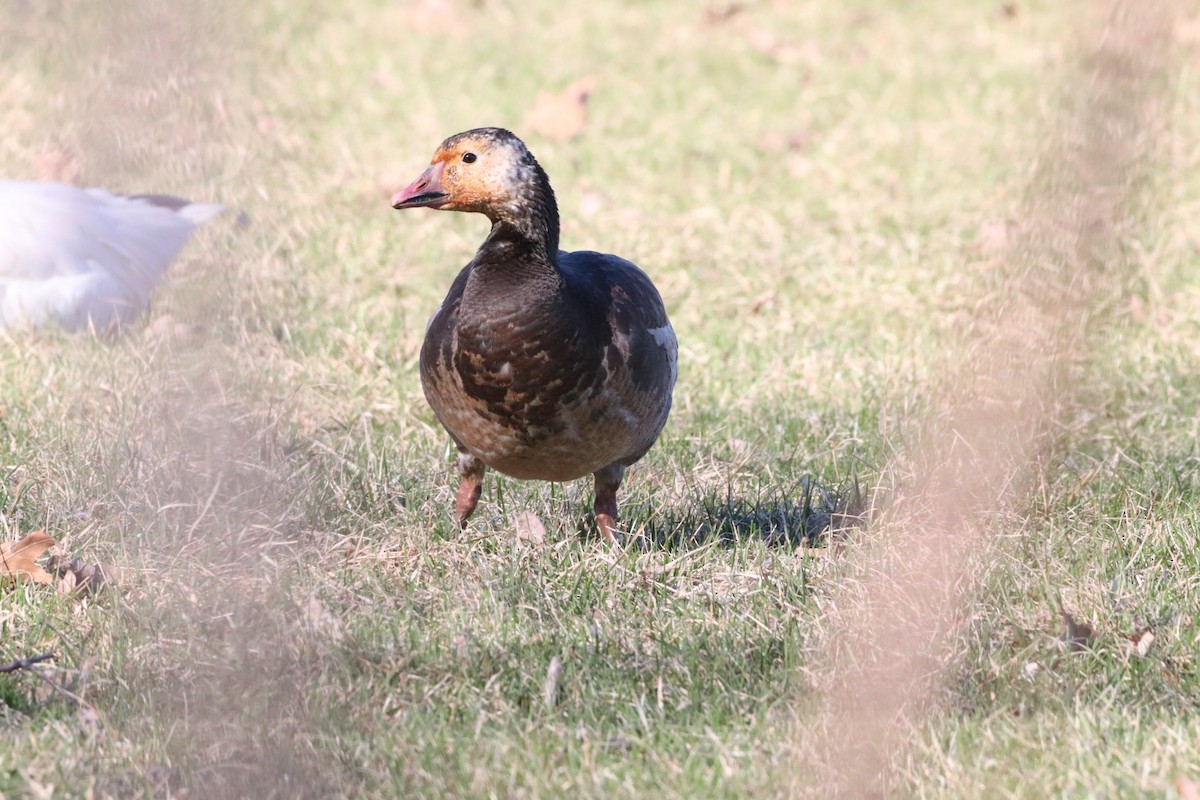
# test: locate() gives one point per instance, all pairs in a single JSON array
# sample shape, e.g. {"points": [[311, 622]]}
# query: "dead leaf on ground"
{"points": [[562, 116], [19, 559], [591, 202], [1187, 32], [1188, 789], [1080, 635], [56, 163], [76, 577], [321, 621], [552, 686], [1137, 309], [1141, 640], [269, 124], [165, 327], [781, 142], [462, 646], [435, 16], [781, 50], [994, 235], [720, 14], [529, 528]]}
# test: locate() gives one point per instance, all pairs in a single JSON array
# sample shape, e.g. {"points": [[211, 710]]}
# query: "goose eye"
{"points": [[469, 158]]}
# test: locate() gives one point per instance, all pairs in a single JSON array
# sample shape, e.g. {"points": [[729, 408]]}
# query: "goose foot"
{"points": [[470, 488], [608, 480]]}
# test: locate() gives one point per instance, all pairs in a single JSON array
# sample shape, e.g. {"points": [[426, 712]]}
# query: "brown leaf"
{"points": [[562, 116], [780, 142], [320, 621], [1141, 640], [1187, 32], [76, 577], [436, 16], [66, 584], [527, 527], [591, 202], [55, 163], [19, 559], [994, 235], [1188, 789], [165, 327], [719, 15], [782, 51], [1137, 309], [1080, 635], [552, 686]]}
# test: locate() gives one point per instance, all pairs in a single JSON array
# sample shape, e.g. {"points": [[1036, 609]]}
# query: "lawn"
{"points": [[932, 268]]}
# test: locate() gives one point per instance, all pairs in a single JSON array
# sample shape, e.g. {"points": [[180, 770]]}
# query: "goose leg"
{"points": [[608, 480], [472, 470]]}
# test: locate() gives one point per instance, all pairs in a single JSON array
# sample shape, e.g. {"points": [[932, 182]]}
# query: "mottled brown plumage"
{"points": [[541, 364]]}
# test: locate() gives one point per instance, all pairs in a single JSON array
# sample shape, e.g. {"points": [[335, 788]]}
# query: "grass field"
{"points": [[937, 260]]}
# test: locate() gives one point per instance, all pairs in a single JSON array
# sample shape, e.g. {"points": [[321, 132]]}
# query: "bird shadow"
{"points": [[808, 513]]}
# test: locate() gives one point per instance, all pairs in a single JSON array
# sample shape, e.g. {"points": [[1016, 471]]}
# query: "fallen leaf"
{"points": [[591, 202], [19, 559], [782, 51], [1188, 789], [562, 116], [320, 621], [994, 235], [89, 721], [66, 584], [55, 163], [269, 124], [165, 327], [435, 16], [551, 688], [718, 15], [1187, 32], [780, 142], [1141, 640], [462, 647], [74, 576], [528, 528], [1080, 635], [1137, 309]]}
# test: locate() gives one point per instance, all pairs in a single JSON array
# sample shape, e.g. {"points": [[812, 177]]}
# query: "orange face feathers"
{"points": [[486, 170]]}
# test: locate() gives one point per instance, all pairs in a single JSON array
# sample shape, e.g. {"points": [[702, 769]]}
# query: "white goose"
{"points": [[85, 258]]}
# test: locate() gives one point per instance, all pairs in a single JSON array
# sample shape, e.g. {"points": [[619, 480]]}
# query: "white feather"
{"points": [[84, 257], [664, 337]]}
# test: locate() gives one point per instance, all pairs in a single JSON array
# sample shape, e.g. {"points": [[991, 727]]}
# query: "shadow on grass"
{"points": [[807, 513]]}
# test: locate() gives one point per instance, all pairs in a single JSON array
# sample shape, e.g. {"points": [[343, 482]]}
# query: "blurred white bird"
{"points": [[85, 258]]}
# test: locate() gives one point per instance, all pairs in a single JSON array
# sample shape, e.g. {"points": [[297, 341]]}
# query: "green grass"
{"points": [[296, 614]]}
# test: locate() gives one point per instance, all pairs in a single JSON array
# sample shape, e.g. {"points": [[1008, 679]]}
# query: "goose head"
{"points": [[487, 171]]}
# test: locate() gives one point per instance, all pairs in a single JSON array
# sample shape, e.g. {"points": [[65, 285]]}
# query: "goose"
{"points": [[86, 259], [541, 364]]}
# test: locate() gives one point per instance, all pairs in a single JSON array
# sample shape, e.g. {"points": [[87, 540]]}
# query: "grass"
{"points": [[296, 616]]}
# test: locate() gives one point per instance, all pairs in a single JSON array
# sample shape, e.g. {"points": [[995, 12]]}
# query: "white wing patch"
{"points": [[664, 337]]}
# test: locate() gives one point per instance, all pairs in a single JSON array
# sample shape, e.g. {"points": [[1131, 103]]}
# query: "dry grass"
{"points": [[821, 193]]}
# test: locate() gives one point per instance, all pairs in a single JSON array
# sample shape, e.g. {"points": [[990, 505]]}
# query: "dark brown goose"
{"points": [[540, 363]]}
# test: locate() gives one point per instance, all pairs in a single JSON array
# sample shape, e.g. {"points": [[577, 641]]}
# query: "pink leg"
{"points": [[608, 480], [472, 470]]}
